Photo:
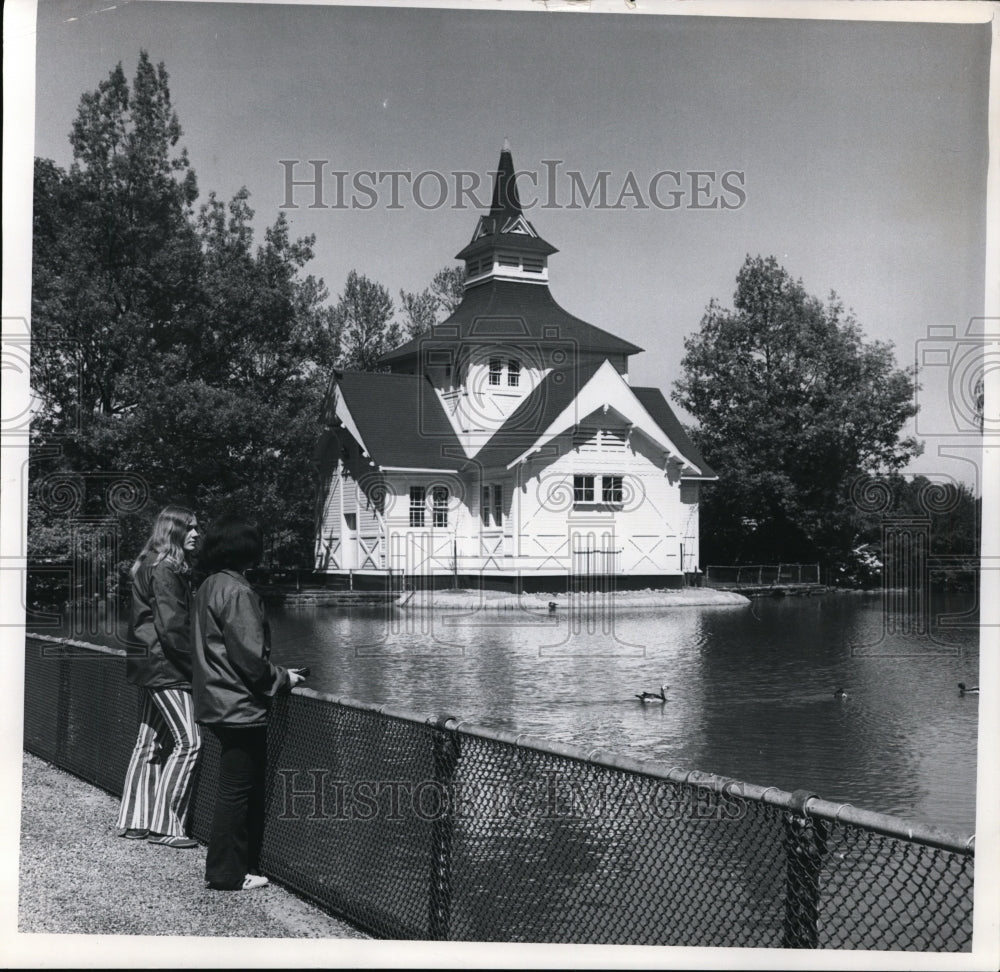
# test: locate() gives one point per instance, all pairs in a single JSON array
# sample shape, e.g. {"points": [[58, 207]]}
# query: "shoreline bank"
{"points": [[476, 600]]}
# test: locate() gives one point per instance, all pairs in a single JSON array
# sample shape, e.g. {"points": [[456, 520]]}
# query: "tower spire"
{"points": [[505, 245], [506, 203]]}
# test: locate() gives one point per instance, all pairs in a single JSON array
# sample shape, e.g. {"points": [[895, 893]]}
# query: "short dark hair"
{"points": [[232, 542]]}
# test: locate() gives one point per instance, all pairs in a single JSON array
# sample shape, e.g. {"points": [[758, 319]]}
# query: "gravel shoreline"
{"points": [[77, 876]]}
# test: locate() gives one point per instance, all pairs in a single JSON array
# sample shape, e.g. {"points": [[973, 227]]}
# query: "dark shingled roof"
{"points": [[533, 416], [654, 403], [494, 239], [509, 310], [504, 211], [541, 408], [401, 420]]}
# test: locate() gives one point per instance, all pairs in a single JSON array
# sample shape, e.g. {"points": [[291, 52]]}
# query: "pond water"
{"points": [[750, 689]]}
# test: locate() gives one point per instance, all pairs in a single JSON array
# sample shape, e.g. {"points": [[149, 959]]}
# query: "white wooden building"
{"points": [[507, 448]]}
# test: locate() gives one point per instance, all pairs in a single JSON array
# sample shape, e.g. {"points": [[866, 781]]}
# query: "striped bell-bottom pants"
{"points": [[160, 774]]}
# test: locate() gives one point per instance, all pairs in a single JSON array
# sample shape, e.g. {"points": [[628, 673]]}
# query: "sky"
{"points": [[856, 152]]}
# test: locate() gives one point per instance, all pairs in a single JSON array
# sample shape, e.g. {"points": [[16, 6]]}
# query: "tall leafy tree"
{"points": [[363, 316], [448, 286], [169, 347], [792, 405], [115, 276], [116, 257], [421, 311], [239, 430]]}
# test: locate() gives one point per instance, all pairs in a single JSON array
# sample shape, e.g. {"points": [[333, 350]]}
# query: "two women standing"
{"points": [[203, 662]]}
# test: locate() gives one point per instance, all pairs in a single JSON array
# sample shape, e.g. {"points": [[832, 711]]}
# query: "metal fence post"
{"points": [[62, 708], [805, 848], [446, 754]]}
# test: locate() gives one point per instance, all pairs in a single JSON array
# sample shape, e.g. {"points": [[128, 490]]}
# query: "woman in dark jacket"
{"points": [[157, 790], [234, 682]]}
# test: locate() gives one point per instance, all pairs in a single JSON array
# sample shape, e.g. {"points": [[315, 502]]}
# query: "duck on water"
{"points": [[660, 696], [963, 690]]}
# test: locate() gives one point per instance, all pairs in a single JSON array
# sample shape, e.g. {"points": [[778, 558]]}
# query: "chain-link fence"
{"points": [[422, 828], [751, 575]]}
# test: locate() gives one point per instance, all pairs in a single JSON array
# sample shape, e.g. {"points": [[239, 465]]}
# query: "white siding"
{"points": [[643, 536], [543, 529]]}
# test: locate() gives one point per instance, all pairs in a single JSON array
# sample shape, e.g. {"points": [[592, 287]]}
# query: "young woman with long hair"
{"points": [[234, 682], [160, 774]]}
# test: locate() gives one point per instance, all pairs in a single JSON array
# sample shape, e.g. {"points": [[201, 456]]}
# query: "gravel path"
{"points": [[78, 876]]}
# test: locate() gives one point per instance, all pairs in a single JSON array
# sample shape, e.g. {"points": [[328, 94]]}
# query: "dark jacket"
{"points": [[159, 651], [234, 679]]}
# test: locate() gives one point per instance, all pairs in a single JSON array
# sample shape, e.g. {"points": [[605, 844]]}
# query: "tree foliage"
{"points": [[363, 316], [792, 405], [421, 311], [169, 346], [114, 252], [448, 286]]}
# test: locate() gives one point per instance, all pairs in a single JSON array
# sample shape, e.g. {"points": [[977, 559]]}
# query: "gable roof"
{"points": [[508, 310], [553, 394], [402, 423], [657, 406], [400, 420], [543, 407]]}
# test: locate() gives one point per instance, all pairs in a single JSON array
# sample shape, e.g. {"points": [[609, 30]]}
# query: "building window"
{"points": [[418, 501], [440, 497], [496, 367], [508, 260], [611, 490], [583, 489], [484, 511], [498, 505], [513, 372], [533, 264]]}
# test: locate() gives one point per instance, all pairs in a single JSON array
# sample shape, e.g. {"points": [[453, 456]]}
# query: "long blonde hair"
{"points": [[166, 542]]}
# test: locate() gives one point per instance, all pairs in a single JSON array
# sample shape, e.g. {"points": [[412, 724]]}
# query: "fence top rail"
{"points": [[799, 803], [72, 643]]}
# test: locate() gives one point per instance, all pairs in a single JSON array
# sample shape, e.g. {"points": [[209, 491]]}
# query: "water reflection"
{"points": [[750, 689]]}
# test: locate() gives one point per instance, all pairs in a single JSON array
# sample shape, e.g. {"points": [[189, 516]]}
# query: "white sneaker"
{"points": [[252, 881]]}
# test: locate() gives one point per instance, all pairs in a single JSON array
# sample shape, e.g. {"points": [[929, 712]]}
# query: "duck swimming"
{"points": [[962, 690], [660, 696], [840, 694]]}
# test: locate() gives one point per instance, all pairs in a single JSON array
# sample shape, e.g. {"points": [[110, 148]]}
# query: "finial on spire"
{"points": [[506, 144]]}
